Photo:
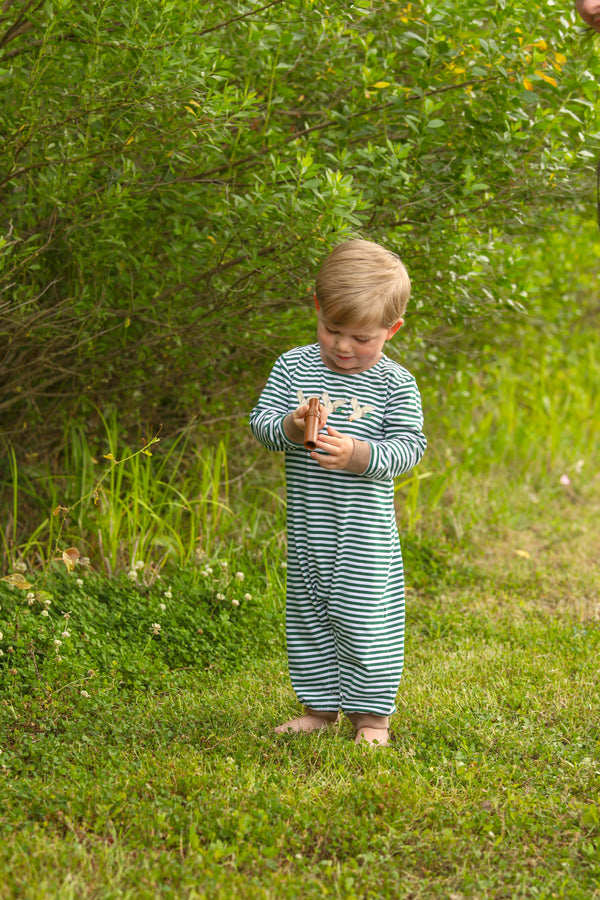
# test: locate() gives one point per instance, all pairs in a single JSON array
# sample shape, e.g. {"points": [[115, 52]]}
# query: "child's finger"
{"points": [[328, 441]]}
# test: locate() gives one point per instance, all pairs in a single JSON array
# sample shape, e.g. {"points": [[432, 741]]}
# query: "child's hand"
{"points": [[299, 416], [338, 447]]}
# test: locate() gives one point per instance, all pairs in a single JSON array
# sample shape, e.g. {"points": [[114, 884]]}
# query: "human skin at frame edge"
{"points": [[589, 10]]}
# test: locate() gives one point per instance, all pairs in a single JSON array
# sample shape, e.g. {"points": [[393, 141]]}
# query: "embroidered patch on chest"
{"points": [[359, 411]]}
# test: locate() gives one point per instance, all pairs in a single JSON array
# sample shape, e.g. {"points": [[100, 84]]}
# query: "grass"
{"points": [[141, 763], [119, 504], [178, 788]]}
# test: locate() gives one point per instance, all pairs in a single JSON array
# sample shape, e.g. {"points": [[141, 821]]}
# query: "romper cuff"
{"points": [[296, 437], [373, 464], [360, 459]]}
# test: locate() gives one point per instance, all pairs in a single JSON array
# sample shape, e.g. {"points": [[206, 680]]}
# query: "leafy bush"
{"points": [[160, 223]]}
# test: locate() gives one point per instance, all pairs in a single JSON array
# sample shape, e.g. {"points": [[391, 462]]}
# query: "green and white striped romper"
{"points": [[345, 580]]}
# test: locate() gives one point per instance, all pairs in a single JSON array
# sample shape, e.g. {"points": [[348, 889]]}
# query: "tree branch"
{"points": [[21, 25]]}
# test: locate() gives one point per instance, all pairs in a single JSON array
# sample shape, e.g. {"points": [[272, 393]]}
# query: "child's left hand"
{"points": [[338, 447]]}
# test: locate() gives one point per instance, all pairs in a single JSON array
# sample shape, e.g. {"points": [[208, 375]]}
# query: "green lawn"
{"points": [[175, 785], [138, 754]]}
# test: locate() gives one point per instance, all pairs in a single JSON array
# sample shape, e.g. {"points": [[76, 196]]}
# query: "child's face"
{"points": [[350, 349]]}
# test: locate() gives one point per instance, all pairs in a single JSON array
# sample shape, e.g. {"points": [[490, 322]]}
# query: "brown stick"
{"points": [[312, 424]]}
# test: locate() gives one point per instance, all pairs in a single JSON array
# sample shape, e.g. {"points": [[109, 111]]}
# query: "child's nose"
{"points": [[342, 343]]}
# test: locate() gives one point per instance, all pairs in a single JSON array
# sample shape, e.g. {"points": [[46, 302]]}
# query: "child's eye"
{"points": [[362, 340]]}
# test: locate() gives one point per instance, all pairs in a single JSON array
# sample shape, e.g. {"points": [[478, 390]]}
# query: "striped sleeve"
{"points": [[266, 419], [403, 442]]}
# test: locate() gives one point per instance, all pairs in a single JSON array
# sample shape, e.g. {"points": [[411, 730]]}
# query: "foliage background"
{"points": [[173, 172], [170, 175]]}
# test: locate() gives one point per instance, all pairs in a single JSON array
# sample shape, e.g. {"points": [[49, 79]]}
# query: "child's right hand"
{"points": [[299, 416]]}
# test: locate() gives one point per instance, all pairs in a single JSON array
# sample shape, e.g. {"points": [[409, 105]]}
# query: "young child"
{"points": [[345, 581]]}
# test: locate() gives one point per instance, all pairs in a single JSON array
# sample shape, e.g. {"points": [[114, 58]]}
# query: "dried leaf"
{"points": [[547, 78], [528, 84], [523, 553], [17, 581], [70, 558]]}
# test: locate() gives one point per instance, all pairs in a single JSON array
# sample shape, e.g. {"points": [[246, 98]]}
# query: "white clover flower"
{"points": [[132, 575], [84, 693], [1, 652], [220, 596], [564, 479], [44, 612], [139, 564], [224, 563], [168, 594], [79, 582], [579, 466], [208, 570], [284, 565], [162, 607], [235, 602], [156, 628], [240, 576], [57, 642], [47, 603], [66, 634], [1, 635], [247, 597], [20, 566]]}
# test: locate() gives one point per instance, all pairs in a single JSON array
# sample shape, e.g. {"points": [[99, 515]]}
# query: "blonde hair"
{"points": [[361, 282]]}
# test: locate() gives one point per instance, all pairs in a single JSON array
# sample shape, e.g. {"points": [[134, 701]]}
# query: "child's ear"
{"points": [[317, 303], [392, 331]]}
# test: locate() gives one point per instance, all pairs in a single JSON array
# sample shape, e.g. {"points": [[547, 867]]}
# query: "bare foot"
{"points": [[376, 737], [309, 722]]}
